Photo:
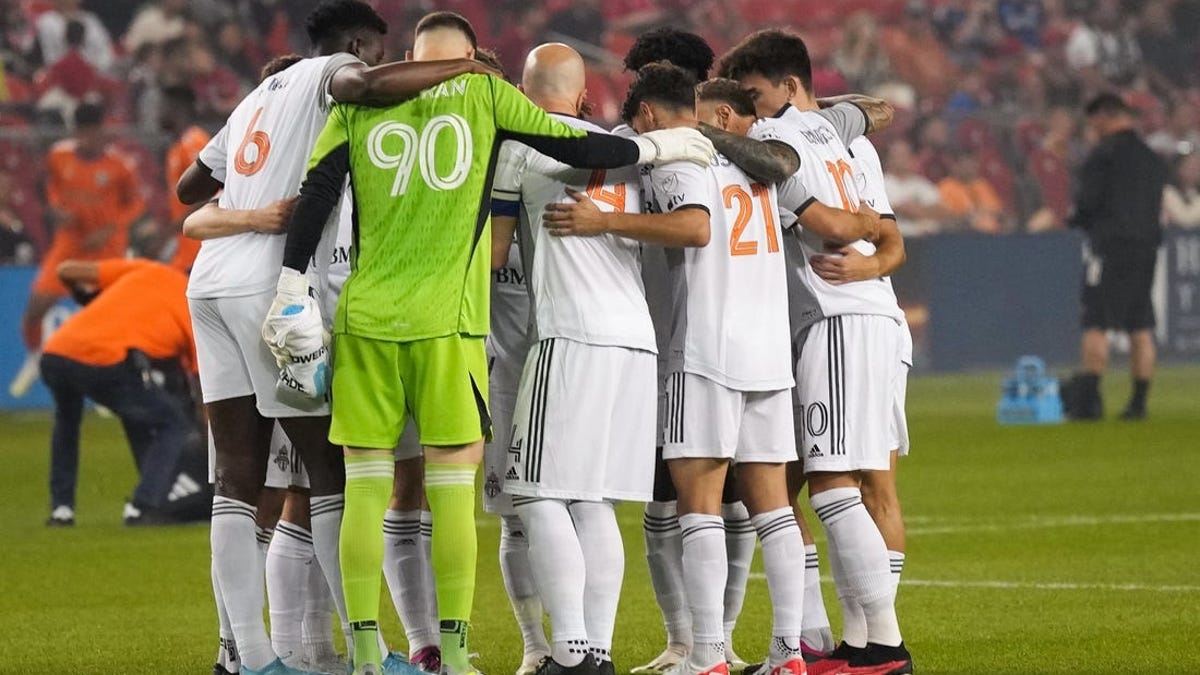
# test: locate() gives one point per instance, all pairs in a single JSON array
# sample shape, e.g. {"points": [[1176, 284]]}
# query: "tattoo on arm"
{"points": [[765, 162], [878, 111]]}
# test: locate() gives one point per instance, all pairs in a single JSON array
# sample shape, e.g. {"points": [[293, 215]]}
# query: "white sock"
{"points": [[559, 571], [854, 622], [317, 629], [227, 654], [896, 560], [432, 620], [519, 584], [289, 558], [815, 632], [325, 516], [604, 560], [739, 547], [704, 569], [783, 560], [862, 557], [404, 569], [236, 559], [664, 555], [262, 537]]}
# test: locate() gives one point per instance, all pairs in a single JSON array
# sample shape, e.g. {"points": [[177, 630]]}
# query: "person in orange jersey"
{"points": [[136, 325], [190, 140], [94, 197]]}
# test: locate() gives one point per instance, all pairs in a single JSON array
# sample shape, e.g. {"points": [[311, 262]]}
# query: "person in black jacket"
{"points": [[1117, 206]]}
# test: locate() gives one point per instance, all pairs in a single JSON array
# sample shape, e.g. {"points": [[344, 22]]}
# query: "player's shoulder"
{"points": [[63, 148], [862, 148]]}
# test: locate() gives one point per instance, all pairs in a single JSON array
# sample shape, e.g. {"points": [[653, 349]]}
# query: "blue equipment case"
{"points": [[1029, 396]]}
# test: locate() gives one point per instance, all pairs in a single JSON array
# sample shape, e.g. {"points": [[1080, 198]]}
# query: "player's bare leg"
{"points": [[31, 332], [882, 500], [764, 489], [407, 567], [241, 438], [289, 557], [1142, 357], [699, 483]]}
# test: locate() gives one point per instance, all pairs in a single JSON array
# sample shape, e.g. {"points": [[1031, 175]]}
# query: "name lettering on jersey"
{"points": [[508, 275], [819, 135], [276, 84], [446, 90]]}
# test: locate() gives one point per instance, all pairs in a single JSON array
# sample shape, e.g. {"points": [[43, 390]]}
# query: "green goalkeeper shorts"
{"points": [[439, 383]]}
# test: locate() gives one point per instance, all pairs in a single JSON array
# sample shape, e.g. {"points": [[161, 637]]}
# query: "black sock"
{"points": [[1140, 389]]}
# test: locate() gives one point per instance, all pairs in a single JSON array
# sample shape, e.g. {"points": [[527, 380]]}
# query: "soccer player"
{"points": [[660, 523], [424, 164], [583, 431], [94, 198], [259, 157], [847, 408], [104, 353], [177, 117]]}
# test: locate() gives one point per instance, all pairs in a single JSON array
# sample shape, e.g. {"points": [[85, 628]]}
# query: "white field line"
{"points": [[1045, 522], [1029, 585]]}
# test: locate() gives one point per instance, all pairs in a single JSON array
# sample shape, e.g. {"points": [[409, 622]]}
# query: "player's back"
{"points": [[586, 289], [826, 174], [730, 300], [261, 156]]}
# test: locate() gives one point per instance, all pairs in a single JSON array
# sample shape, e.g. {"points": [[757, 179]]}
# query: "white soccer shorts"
{"points": [[706, 419], [899, 429], [584, 424], [284, 468], [846, 384], [503, 383], [233, 358]]}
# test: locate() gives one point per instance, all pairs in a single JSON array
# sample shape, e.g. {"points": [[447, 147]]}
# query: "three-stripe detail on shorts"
{"points": [[535, 434], [675, 401], [835, 355]]}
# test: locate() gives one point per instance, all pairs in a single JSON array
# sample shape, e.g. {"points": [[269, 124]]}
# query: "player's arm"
{"points": [[78, 273], [848, 264], [518, 119], [506, 200], [878, 113], [687, 225], [764, 161], [213, 222], [320, 193], [395, 82], [206, 176], [1090, 192], [837, 225]]}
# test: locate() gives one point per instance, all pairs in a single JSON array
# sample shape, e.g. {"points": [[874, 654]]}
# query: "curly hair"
{"points": [[279, 64], [773, 54], [334, 18], [662, 83], [686, 50], [727, 91]]}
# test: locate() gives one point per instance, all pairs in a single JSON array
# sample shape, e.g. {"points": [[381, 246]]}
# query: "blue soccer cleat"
{"points": [[276, 667]]}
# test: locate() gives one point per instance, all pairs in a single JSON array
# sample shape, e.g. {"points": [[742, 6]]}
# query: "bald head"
{"points": [[554, 74]]}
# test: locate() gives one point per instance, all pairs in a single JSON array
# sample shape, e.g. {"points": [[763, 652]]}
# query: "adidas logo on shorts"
{"points": [[512, 473], [815, 452]]}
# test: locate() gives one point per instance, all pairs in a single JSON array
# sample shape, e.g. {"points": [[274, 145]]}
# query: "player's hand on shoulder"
{"points": [[273, 218], [680, 144], [580, 217]]}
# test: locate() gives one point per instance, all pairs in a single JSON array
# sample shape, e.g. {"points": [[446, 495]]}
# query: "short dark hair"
{"points": [[772, 53], [661, 83], [180, 94], [451, 20], [490, 59], [728, 92], [279, 64], [335, 18], [686, 50], [89, 115], [76, 32], [1107, 104]]}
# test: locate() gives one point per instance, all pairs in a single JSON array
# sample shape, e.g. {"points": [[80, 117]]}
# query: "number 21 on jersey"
{"points": [[736, 197]]}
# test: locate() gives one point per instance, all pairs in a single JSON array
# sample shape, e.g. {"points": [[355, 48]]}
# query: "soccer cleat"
{"points": [[789, 667], [219, 669], [1133, 413], [605, 667], [395, 664], [837, 660], [26, 376], [531, 661], [672, 656], [428, 659], [732, 660], [549, 666], [810, 654], [277, 667], [879, 659], [61, 516], [719, 668]]}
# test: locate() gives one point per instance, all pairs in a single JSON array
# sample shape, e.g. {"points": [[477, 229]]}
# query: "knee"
{"points": [[880, 500]]}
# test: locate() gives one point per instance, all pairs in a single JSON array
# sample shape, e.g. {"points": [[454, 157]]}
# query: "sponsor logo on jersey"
{"points": [[509, 275]]}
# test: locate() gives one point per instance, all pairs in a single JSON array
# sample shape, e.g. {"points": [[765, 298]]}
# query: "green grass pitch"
{"points": [[1069, 549]]}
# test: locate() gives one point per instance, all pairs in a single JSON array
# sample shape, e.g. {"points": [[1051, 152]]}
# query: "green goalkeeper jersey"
{"points": [[419, 173]]}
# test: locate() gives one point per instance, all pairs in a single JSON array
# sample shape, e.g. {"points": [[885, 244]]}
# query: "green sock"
{"points": [[450, 489], [368, 489]]}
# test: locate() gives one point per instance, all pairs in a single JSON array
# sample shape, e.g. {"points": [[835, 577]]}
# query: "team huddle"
{"points": [[509, 284]]}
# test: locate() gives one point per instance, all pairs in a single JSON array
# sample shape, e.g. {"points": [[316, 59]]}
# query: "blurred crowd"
{"points": [[988, 92]]}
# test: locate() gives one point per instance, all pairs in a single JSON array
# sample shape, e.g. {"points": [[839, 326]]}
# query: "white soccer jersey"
{"points": [[729, 297], [508, 341], [826, 174], [586, 289], [263, 155]]}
